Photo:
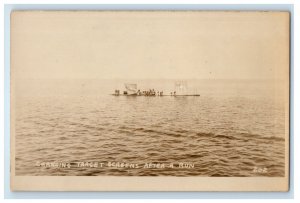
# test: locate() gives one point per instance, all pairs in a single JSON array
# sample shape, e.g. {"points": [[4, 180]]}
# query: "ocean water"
{"points": [[75, 127]]}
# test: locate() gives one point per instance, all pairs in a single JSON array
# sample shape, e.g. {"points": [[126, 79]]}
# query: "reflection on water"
{"points": [[231, 129]]}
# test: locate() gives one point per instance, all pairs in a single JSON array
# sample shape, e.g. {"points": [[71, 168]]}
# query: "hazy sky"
{"points": [[149, 44]]}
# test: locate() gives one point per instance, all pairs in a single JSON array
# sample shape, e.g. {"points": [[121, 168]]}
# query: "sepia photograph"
{"points": [[150, 100]]}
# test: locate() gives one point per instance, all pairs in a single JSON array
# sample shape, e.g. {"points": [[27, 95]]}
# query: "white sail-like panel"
{"points": [[181, 87], [131, 88]]}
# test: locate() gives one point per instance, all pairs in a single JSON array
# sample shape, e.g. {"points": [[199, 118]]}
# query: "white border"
{"points": [[296, 60]]}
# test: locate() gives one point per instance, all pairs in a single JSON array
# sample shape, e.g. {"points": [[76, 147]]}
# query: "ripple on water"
{"points": [[205, 132]]}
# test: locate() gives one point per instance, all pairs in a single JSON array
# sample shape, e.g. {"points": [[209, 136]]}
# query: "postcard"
{"points": [[150, 100]]}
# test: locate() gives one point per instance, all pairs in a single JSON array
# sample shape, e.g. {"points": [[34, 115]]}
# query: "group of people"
{"points": [[150, 92]]}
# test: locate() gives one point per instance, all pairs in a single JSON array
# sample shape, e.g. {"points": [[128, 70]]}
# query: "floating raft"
{"points": [[168, 95]]}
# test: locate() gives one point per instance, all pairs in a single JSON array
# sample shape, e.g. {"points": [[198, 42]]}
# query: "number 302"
{"points": [[260, 170]]}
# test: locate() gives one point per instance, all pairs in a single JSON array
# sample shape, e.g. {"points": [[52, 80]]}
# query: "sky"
{"points": [[150, 45]]}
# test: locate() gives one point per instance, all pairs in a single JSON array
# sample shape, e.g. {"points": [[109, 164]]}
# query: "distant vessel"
{"points": [[132, 90]]}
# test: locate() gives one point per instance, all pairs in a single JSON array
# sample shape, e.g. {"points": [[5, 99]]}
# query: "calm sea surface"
{"points": [[235, 128]]}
